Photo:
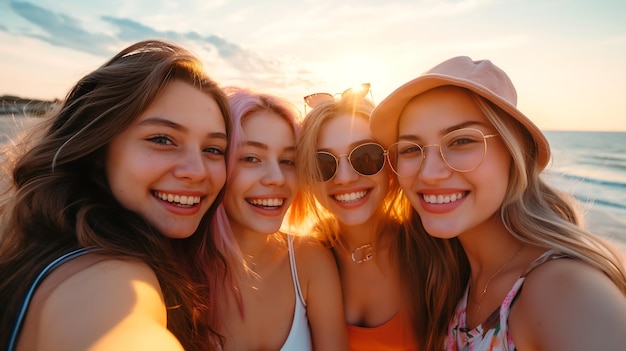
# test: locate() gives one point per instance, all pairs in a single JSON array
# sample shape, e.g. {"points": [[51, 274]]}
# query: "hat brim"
{"points": [[385, 117]]}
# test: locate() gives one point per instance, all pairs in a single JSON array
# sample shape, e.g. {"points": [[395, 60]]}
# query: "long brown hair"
{"points": [[58, 199]]}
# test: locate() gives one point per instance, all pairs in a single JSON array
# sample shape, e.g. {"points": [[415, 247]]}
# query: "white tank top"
{"points": [[299, 338]]}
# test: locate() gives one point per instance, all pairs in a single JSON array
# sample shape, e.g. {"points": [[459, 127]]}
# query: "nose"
{"points": [[192, 165], [274, 174], [345, 173], [433, 167]]}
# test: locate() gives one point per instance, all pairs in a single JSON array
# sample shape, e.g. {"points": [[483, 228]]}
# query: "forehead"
{"points": [[267, 125], [342, 130], [440, 108], [187, 106]]}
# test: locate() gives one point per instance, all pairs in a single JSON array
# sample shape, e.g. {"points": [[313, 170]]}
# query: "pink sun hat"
{"points": [[481, 77]]}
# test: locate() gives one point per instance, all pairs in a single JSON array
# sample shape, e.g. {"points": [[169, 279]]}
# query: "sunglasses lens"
{"points": [[327, 165], [368, 159], [314, 100]]}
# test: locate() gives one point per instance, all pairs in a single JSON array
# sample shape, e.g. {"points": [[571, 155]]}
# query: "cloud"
{"points": [[67, 31], [61, 30]]}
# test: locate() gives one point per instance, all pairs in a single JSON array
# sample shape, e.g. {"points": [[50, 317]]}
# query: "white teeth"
{"points": [[276, 202], [442, 199], [178, 199], [350, 197]]}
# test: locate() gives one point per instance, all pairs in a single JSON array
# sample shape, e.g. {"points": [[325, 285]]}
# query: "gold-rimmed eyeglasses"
{"points": [[463, 150], [314, 100]]}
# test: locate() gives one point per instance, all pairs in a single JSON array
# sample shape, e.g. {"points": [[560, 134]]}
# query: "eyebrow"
{"points": [[264, 146], [445, 131], [157, 121]]}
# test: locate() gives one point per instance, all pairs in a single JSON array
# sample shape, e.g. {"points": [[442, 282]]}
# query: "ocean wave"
{"points": [[590, 180], [587, 199], [611, 162]]}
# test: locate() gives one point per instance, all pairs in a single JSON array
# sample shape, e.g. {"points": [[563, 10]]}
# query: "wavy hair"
{"points": [[533, 212], [243, 104], [539, 214], [394, 209], [412, 248], [58, 198]]}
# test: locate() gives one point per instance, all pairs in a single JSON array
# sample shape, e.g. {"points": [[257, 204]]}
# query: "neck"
{"points": [[485, 244], [354, 236], [252, 244]]}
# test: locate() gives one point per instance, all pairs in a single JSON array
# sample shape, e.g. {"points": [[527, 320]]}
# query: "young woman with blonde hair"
{"points": [[471, 165], [359, 211]]}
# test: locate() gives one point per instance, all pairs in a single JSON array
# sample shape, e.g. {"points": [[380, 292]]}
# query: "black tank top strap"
{"points": [[17, 327]]}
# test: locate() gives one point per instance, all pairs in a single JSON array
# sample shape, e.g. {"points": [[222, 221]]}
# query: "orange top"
{"points": [[393, 335]]}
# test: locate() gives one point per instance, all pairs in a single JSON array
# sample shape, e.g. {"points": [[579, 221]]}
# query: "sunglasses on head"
{"points": [[366, 159], [316, 99]]}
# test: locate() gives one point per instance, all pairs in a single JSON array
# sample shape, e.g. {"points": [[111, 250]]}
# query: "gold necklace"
{"points": [[362, 253], [484, 292]]}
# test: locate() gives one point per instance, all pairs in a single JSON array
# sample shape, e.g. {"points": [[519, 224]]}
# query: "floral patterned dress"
{"points": [[493, 334]]}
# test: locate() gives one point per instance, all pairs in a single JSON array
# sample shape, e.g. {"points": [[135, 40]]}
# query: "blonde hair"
{"points": [[413, 252], [395, 208], [537, 213]]}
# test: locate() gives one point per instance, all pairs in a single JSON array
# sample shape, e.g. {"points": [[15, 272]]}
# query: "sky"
{"points": [[567, 58]]}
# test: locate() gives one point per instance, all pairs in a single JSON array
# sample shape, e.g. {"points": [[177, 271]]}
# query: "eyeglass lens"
{"points": [[462, 150], [366, 159]]}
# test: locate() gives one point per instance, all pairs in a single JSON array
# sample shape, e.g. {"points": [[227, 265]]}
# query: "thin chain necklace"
{"points": [[484, 292]]}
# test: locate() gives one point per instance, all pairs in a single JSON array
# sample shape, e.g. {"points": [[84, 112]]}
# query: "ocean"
{"points": [[591, 166]]}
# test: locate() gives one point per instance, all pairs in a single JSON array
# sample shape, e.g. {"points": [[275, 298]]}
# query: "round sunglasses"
{"points": [[366, 159], [316, 99]]}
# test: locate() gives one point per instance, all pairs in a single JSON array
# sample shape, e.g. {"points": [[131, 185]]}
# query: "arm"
{"points": [[323, 295], [112, 305], [568, 305]]}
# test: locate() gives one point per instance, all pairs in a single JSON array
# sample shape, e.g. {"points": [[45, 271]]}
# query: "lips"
{"points": [[442, 198], [178, 200]]}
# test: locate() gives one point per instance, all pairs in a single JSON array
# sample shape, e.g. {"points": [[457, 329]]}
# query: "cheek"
{"points": [[405, 183], [218, 174], [291, 179]]}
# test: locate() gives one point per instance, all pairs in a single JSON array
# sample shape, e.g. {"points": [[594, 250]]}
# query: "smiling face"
{"points": [[351, 197], [449, 202], [263, 180], [168, 165]]}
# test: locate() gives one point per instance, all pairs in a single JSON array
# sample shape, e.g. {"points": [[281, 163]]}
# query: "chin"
{"points": [[178, 233], [440, 229]]}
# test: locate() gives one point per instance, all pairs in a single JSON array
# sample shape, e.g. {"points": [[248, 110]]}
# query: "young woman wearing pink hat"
{"points": [[470, 163]]}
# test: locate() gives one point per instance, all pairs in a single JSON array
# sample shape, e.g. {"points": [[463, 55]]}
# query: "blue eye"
{"points": [[161, 139], [214, 150]]}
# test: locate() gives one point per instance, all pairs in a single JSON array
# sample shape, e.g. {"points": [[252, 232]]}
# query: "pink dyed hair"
{"points": [[244, 103]]}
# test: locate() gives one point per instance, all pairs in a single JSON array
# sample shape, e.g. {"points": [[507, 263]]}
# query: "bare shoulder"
{"points": [[315, 263], [311, 249], [311, 253], [112, 304], [321, 287], [567, 304], [570, 278]]}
